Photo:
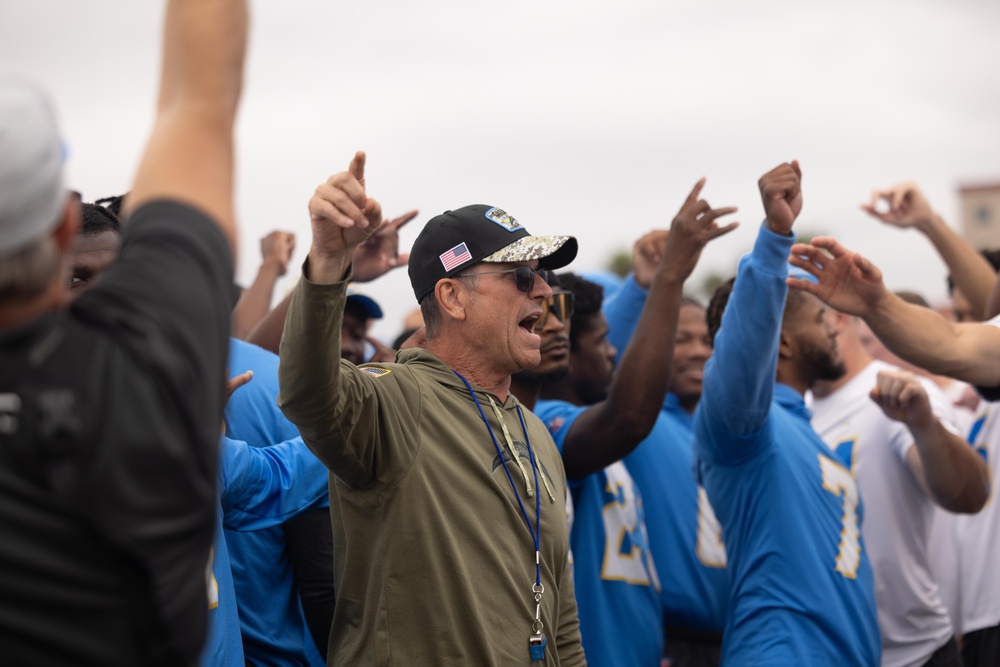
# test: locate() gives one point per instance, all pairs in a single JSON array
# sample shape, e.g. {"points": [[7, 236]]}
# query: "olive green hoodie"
{"points": [[433, 561]]}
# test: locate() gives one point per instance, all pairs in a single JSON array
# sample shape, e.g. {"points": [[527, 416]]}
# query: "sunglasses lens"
{"points": [[524, 278], [562, 305]]}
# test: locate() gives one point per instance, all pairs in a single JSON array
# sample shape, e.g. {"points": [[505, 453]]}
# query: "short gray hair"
{"points": [[430, 309], [28, 272]]}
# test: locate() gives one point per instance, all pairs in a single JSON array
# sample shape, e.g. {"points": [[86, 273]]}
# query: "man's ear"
{"points": [[452, 299], [786, 345], [67, 229]]}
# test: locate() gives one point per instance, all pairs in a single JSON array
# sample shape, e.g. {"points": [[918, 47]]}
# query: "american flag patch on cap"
{"points": [[376, 371], [455, 257]]}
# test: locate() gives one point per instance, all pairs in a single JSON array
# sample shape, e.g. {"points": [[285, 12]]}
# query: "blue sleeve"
{"points": [[558, 416], [732, 421], [623, 311], [261, 487]]}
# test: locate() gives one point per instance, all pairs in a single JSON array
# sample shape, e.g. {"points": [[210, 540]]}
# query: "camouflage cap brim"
{"points": [[559, 250]]}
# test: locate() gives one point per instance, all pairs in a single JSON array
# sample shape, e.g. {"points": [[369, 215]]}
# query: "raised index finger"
{"points": [[695, 191], [357, 168]]}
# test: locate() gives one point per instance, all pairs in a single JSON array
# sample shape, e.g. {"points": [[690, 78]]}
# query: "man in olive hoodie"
{"points": [[448, 498]]}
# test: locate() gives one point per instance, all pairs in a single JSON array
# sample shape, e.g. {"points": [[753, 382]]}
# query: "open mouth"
{"points": [[528, 323]]}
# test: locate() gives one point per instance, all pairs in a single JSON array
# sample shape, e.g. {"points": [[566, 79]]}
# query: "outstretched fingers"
{"points": [[868, 270], [695, 192], [716, 231], [398, 222]]}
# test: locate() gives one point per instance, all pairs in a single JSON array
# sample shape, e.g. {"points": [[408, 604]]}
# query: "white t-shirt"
{"points": [[897, 514], [942, 554], [978, 535], [943, 547]]}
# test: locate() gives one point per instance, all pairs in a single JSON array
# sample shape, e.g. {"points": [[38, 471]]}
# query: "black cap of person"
{"points": [[455, 240]]}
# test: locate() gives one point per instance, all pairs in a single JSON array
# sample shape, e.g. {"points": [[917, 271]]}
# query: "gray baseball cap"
{"points": [[32, 194]]}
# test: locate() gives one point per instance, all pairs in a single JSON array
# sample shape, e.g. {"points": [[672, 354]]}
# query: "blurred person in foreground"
{"points": [[110, 408]]}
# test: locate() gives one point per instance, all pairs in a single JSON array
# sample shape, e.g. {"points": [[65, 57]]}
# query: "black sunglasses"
{"points": [[524, 276], [561, 304]]}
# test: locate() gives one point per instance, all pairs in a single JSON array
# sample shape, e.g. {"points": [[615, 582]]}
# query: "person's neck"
{"points": [[562, 390], [526, 390], [855, 360], [789, 375], [688, 403], [470, 366]]}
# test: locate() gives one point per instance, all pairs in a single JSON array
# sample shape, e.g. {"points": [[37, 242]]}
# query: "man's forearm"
{"points": [[309, 371], [956, 475], [740, 377], [325, 269], [969, 270], [969, 352], [189, 155], [611, 429], [204, 48], [255, 302]]}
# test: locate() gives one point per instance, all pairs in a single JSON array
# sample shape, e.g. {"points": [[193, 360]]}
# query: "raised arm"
{"points": [[851, 284], [909, 209], [342, 217], [261, 487], [189, 156], [610, 430], [378, 255], [276, 252], [624, 309], [945, 466], [740, 376]]}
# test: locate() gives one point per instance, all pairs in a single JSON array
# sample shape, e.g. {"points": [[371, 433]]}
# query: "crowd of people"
{"points": [[542, 468]]}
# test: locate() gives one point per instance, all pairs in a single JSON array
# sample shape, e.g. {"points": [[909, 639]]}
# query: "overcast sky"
{"points": [[592, 118]]}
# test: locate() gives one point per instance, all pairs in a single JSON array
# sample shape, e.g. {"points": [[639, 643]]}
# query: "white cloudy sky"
{"points": [[586, 117]]}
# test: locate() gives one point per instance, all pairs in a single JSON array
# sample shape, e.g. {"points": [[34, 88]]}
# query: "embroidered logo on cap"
{"points": [[377, 371], [455, 257], [504, 219]]}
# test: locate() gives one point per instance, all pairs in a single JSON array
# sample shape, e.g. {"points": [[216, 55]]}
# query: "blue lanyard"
{"points": [[537, 530]]}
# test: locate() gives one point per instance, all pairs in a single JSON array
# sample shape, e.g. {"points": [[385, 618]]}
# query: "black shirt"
{"points": [[109, 424]]}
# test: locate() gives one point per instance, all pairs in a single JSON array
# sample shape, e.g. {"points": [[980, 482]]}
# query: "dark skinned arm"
{"points": [[608, 431]]}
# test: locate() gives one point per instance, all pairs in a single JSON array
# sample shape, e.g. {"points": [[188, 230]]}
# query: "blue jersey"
{"points": [[684, 534], [258, 488], [621, 622], [801, 584], [622, 310], [271, 617]]}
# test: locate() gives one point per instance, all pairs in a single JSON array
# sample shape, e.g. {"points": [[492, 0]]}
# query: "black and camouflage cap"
{"points": [[455, 240]]}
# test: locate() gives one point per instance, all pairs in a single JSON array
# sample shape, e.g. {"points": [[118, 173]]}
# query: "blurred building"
{"points": [[981, 215]]}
